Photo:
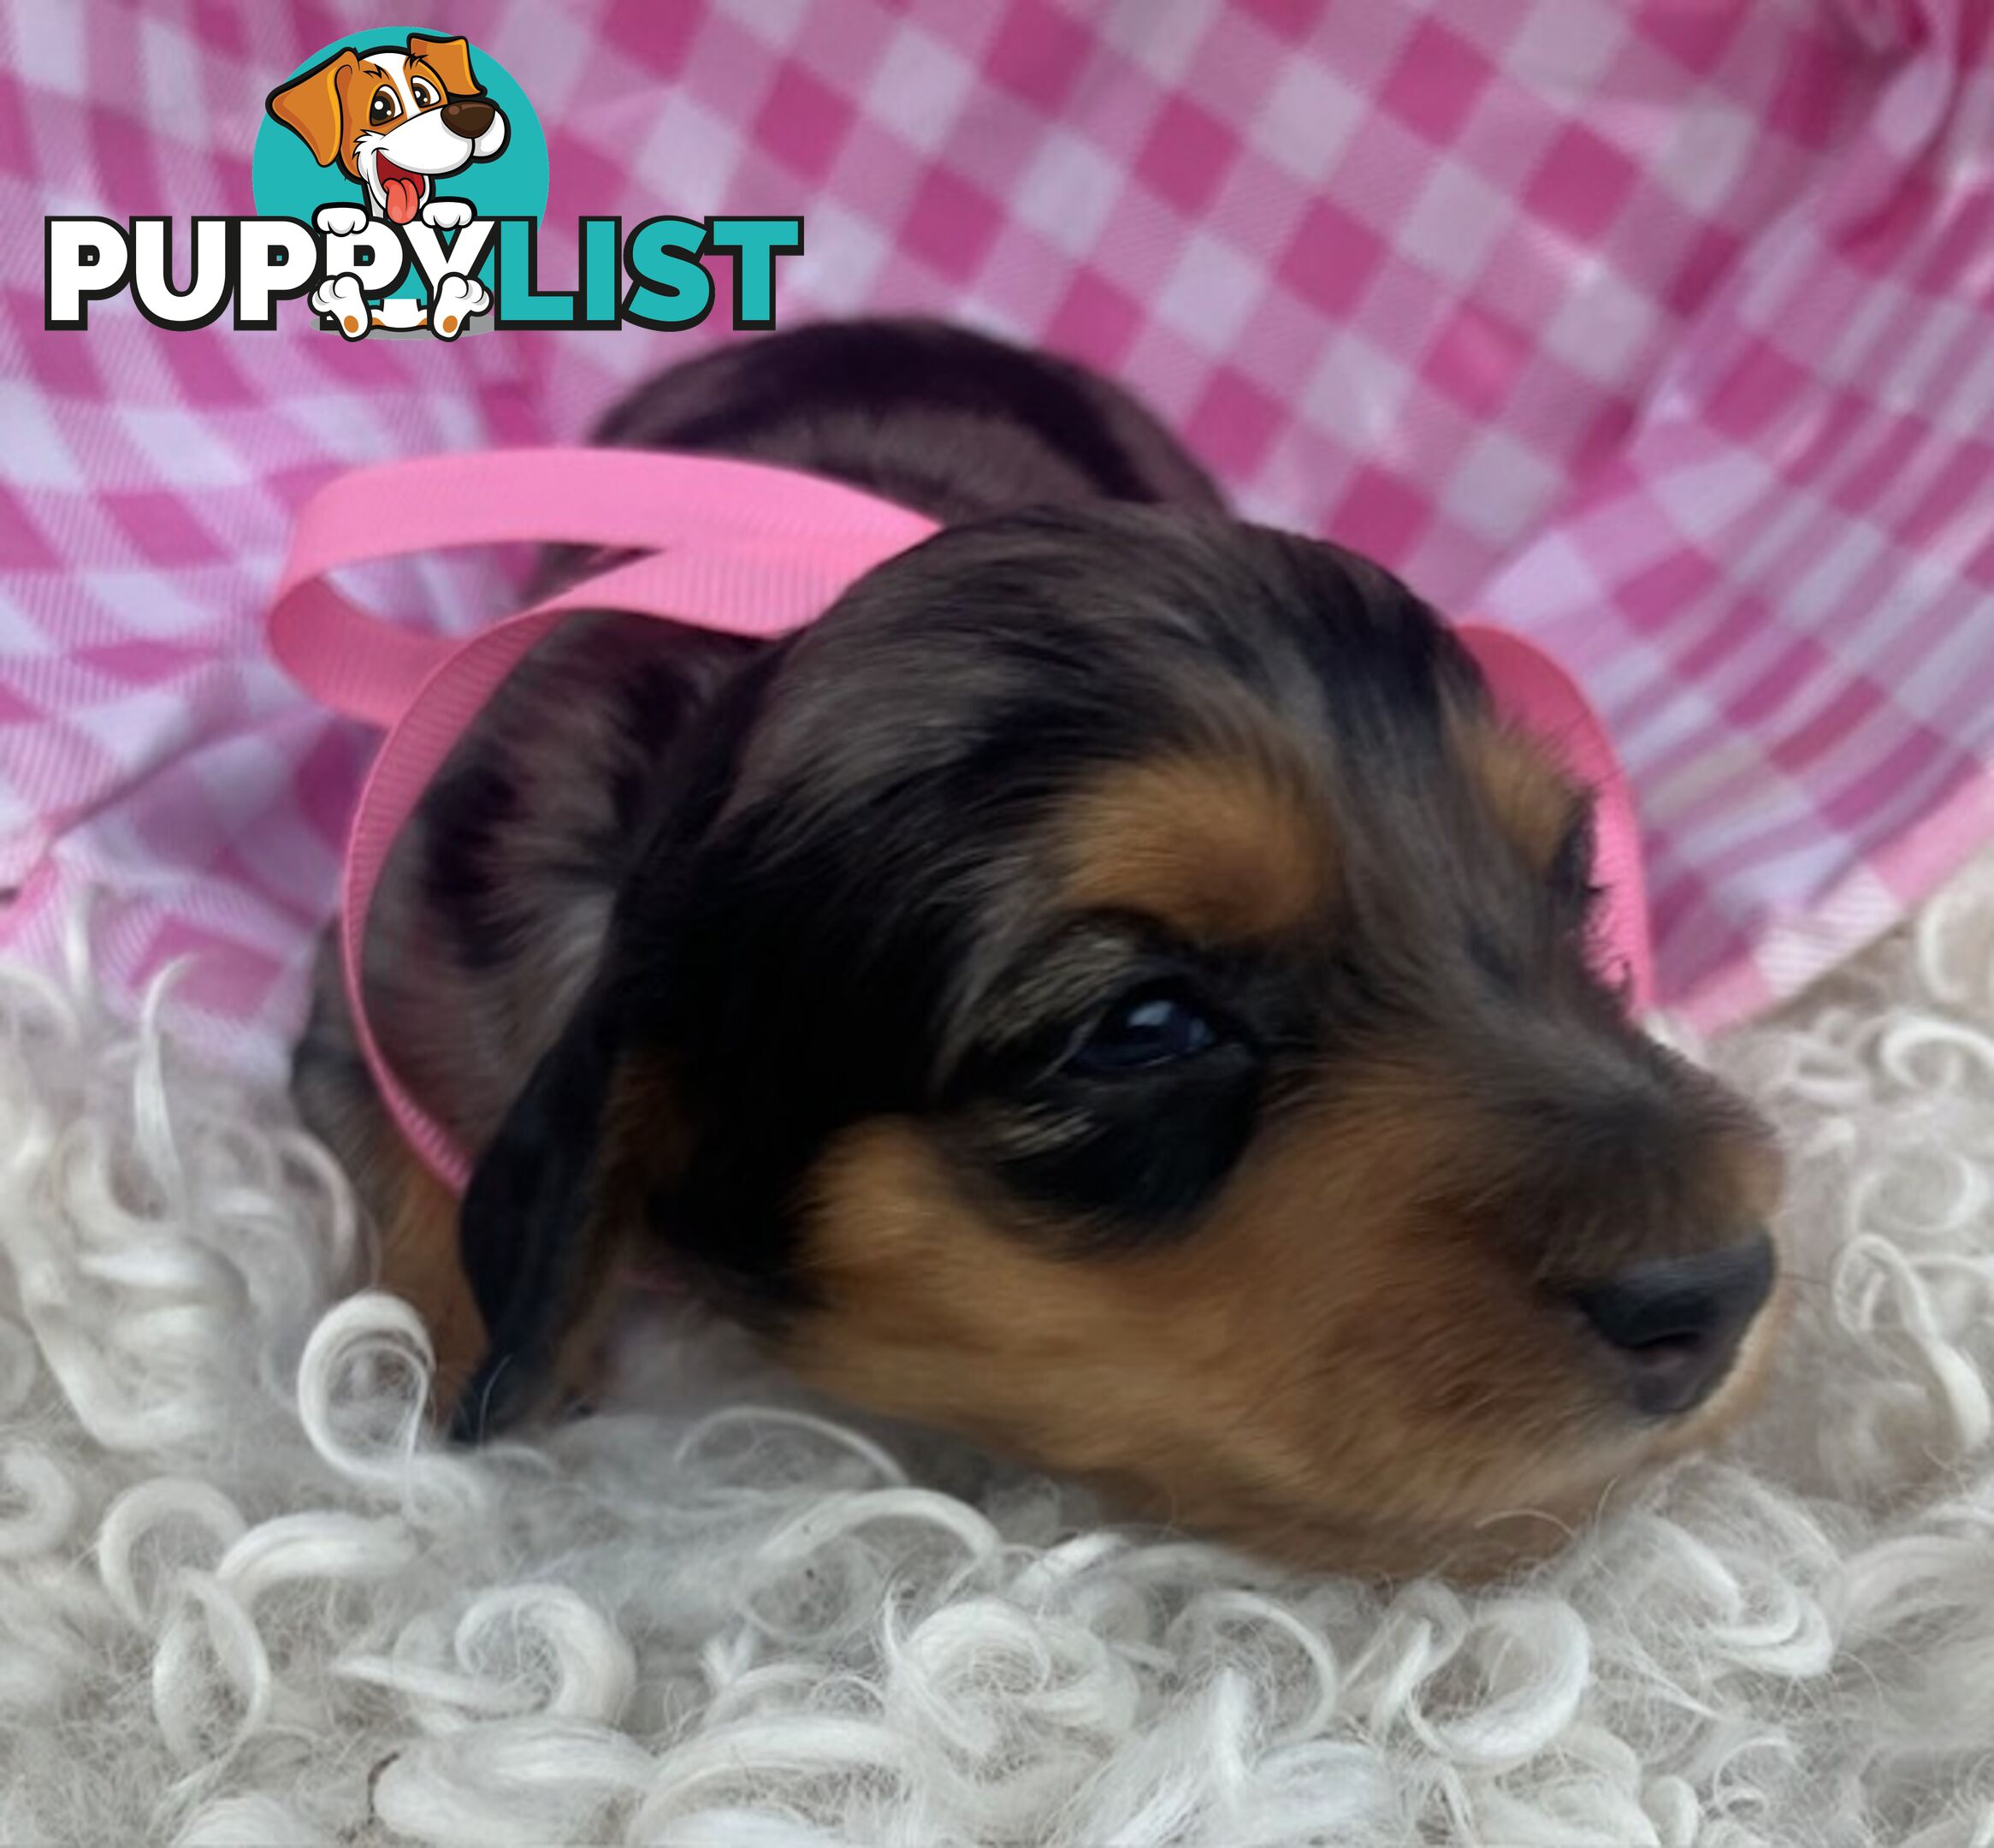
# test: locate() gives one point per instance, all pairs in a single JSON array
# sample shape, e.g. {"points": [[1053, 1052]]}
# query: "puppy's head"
{"points": [[394, 119], [1114, 988]]}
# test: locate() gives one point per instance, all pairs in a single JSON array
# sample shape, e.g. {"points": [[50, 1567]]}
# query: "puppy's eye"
{"points": [[424, 96], [1148, 1027], [384, 107]]}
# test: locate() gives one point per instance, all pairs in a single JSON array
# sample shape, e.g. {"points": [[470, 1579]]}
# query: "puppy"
{"points": [[1112, 987], [395, 121]]}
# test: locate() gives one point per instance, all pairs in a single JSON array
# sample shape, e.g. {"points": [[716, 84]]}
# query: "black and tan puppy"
{"points": [[1111, 987]]}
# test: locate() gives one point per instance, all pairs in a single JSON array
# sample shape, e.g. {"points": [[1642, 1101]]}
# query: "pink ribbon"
{"points": [[740, 547]]}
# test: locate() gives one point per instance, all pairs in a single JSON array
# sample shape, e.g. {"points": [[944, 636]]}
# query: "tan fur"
{"points": [[412, 1214], [1218, 849], [1533, 802], [419, 1263], [1332, 1368]]}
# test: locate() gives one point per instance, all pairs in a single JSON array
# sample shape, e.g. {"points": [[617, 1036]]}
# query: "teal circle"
{"points": [[285, 182]]}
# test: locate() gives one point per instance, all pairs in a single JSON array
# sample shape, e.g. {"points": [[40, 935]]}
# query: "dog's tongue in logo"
{"points": [[402, 189]]}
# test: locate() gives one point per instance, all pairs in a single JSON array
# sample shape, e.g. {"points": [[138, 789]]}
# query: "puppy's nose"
{"points": [[469, 117], [1674, 1325]]}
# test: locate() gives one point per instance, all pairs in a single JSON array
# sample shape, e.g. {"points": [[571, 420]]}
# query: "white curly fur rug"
{"points": [[244, 1598]]}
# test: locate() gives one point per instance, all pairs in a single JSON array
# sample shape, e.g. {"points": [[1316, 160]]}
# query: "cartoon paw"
{"points": [[339, 221], [339, 297], [446, 214], [457, 298]]}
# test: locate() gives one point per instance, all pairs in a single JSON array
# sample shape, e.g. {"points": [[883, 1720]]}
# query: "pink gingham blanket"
{"points": [[1661, 329]]}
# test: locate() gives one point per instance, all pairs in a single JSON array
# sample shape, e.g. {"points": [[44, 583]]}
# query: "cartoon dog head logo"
{"points": [[397, 119], [394, 124]]}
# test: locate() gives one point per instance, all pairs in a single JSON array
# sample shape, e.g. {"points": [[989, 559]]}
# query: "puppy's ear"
{"points": [[451, 60], [310, 106], [602, 1125], [546, 1215]]}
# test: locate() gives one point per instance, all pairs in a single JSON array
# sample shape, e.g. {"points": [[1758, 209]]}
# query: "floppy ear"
{"points": [[602, 1124], [310, 106], [450, 59], [548, 1211]]}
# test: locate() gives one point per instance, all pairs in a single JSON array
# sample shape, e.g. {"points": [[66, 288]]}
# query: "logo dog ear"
{"points": [[451, 60], [311, 106]]}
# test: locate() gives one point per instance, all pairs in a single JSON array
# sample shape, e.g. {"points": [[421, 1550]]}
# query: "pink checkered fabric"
{"points": [[1661, 329]]}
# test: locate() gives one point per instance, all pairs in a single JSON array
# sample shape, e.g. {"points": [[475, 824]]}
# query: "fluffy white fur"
{"points": [[245, 1598]]}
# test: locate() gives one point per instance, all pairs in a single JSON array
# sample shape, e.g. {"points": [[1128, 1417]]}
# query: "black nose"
{"points": [[1674, 1325], [469, 118]]}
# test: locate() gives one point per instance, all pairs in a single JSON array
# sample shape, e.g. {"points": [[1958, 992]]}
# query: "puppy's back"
{"points": [[953, 423]]}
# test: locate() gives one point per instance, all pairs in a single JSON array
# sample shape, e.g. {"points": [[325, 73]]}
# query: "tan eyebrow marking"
{"points": [[1535, 803], [1214, 848]]}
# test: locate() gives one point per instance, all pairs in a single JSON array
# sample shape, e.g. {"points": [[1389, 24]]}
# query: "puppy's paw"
{"points": [[446, 214], [339, 297], [339, 221], [457, 298]]}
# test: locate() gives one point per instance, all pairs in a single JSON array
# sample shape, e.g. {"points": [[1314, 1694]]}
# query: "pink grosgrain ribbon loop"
{"points": [[739, 547]]}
